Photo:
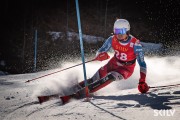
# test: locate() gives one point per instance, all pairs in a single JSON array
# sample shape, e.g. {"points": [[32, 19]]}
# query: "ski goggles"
{"points": [[120, 31]]}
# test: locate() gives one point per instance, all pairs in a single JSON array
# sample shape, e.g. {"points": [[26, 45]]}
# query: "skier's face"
{"points": [[122, 37]]}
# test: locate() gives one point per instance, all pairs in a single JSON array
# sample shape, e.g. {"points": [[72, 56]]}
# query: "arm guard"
{"points": [[140, 58]]}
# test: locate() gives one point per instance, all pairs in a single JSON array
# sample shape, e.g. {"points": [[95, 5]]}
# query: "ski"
{"points": [[42, 99], [64, 99], [93, 87]]}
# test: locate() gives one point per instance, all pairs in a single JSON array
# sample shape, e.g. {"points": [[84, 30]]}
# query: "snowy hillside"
{"points": [[119, 100], [72, 35], [149, 48], [152, 48]]}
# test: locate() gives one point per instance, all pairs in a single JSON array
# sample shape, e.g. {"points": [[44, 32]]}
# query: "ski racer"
{"points": [[121, 66], [127, 49]]}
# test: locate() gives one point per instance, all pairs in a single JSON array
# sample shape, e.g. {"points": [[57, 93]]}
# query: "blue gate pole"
{"points": [[35, 50], [82, 49]]}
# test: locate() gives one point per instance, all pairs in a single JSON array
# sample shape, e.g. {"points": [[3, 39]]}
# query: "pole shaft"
{"points": [[35, 51], [81, 43], [58, 71]]}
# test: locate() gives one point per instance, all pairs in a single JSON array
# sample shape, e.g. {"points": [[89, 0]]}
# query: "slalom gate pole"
{"points": [[58, 71], [165, 86], [82, 49], [35, 51]]}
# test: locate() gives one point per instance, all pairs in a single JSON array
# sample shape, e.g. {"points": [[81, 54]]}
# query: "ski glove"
{"points": [[102, 56], [143, 87]]}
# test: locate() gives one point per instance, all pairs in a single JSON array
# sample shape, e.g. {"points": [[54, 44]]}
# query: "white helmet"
{"points": [[121, 26]]}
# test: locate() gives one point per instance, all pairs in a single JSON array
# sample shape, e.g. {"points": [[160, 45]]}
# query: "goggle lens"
{"points": [[120, 31]]}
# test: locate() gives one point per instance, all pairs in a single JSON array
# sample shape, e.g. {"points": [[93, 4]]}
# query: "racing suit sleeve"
{"points": [[140, 58], [106, 46]]}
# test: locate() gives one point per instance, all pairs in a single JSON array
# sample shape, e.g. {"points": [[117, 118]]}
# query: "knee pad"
{"points": [[117, 75]]}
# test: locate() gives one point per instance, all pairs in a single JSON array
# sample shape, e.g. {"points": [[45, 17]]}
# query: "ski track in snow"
{"points": [[118, 101]]}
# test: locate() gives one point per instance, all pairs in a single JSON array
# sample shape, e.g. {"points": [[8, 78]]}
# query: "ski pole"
{"points": [[58, 71], [165, 86]]}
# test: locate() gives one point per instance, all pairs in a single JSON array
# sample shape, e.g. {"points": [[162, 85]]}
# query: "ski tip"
{"points": [[43, 99], [65, 99]]}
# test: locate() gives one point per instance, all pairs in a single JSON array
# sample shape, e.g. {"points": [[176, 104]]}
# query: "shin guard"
{"points": [[95, 86]]}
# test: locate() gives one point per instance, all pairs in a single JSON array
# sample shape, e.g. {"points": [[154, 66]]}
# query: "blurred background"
{"points": [[54, 24]]}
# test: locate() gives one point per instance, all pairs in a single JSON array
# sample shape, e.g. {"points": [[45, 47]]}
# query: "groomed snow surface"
{"points": [[119, 100]]}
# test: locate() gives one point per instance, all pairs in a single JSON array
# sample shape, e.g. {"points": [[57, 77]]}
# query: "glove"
{"points": [[102, 56], [143, 87]]}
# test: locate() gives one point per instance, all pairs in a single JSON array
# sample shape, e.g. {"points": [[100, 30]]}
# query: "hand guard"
{"points": [[143, 87], [102, 56]]}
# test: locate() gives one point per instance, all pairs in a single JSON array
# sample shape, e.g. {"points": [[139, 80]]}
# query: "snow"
{"points": [[152, 47], [149, 48], [119, 100], [73, 35]]}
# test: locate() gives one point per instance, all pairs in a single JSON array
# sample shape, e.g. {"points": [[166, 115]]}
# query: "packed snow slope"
{"points": [[119, 100]]}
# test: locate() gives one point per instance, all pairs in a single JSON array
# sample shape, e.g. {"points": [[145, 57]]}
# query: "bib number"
{"points": [[121, 56]]}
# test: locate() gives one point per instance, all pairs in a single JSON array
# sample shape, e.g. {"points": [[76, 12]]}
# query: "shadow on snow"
{"points": [[152, 100]]}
